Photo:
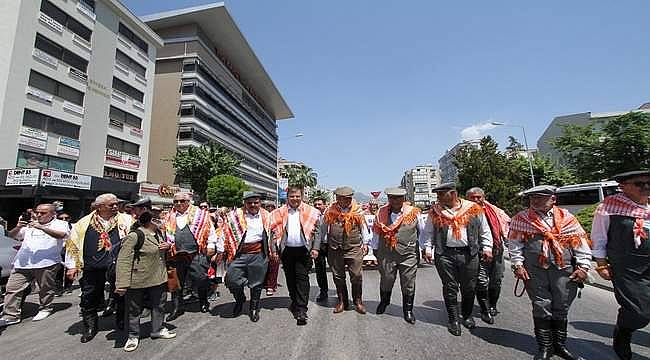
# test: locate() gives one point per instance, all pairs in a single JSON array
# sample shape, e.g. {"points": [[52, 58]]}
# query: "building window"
{"points": [[124, 59], [49, 124], [128, 90], [64, 19], [114, 143], [124, 117], [51, 86], [135, 39], [89, 3], [28, 159], [60, 53]]}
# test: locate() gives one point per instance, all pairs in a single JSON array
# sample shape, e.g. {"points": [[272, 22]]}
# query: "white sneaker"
{"points": [[131, 344], [163, 334], [42, 315]]}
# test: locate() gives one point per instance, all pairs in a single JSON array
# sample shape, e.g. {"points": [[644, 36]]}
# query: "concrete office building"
{"points": [[211, 87], [77, 83], [448, 171], [419, 183]]}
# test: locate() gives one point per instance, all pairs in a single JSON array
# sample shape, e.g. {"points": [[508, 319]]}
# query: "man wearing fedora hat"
{"points": [[246, 234], [458, 231], [348, 236], [550, 252], [396, 231], [620, 233]]}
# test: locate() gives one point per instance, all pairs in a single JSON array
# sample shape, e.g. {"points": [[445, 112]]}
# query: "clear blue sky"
{"points": [[381, 86]]}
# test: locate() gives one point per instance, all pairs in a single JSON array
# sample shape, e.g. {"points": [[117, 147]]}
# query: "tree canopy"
{"points": [[196, 165], [226, 190], [598, 150], [299, 175]]}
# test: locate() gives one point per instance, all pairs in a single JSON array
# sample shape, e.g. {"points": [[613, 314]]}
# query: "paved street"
{"points": [[328, 336]]}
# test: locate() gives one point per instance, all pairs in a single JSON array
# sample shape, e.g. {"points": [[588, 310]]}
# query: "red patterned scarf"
{"points": [[408, 215], [621, 205], [199, 223], [104, 242], [468, 210], [234, 230], [565, 233], [499, 223]]}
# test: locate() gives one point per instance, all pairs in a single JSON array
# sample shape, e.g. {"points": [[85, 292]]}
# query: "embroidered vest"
{"points": [[338, 239]]}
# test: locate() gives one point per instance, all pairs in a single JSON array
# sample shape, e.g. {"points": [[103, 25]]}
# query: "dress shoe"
{"points": [[493, 311], [384, 301], [454, 328], [358, 303], [469, 323], [487, 318], [301, 319], [205, 308]]}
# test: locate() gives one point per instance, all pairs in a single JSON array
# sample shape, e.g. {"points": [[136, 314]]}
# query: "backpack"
{"points": [[111, 275]]}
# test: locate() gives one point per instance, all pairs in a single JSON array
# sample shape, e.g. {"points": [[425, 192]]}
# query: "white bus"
{"points": [[578, 196]]}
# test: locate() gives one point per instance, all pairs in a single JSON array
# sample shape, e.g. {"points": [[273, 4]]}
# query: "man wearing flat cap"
{"points": [[550, 252], [458, 231], [396, 229], [620, 245], [246, 234], [295, 228], [348, 236]]}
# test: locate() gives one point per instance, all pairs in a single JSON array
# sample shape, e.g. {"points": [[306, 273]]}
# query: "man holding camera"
{"points": [[38, 259]]}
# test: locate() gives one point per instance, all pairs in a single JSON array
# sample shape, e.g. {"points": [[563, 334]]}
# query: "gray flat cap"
{"points": [[546, 190], [395, 191], [445, 187], [344, 191], [251, 195], [144, 202], [630, 174]]}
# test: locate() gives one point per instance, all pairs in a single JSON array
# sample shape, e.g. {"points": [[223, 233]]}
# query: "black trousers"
{"points": [[458, 269], [320, 265], [156, 295], [490, 273], [197, 269], [92, 284], [297, 263]]}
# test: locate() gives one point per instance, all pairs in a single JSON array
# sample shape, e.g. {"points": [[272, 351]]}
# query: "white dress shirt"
{"points": [[40, 250], [426, 236], [254, 228], [599, 230], [294, 236]]}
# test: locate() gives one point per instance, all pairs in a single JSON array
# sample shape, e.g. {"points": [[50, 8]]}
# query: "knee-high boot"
{"points": [[559, 340], [344, 301], [407, 307], [454, 319], [90, 325], [177, 306], [544, 337], [384, 301], [482, 299], [357, 297]]}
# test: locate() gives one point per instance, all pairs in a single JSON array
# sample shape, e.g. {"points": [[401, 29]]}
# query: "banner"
{"points": [[18, 177], [283, 187], [66, 180]]}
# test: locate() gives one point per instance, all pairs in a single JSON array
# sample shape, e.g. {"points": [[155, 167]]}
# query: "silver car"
{"points": [[8, 249]]}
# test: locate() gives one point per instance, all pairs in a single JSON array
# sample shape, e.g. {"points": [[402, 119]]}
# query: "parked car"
{"points": [[578, 196], [8, 249]]}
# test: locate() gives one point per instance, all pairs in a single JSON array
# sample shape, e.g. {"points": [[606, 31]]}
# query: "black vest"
{"points": [[94, 259], [185, 241], [620, 240]]}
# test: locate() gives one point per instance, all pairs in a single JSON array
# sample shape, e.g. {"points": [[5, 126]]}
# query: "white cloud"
{"points": [[476, 131]]}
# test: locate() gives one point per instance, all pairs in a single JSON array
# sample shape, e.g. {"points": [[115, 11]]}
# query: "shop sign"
{"points": [[33, 143], [33, 133], [18, 177], [120, 174], [64, 179], [120, 158], [68, 146]]}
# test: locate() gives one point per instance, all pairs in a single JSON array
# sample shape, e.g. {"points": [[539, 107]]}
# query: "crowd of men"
{"points": [[465, 238]]}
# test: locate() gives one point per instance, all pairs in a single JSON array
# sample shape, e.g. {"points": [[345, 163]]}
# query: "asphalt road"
{"points": [[327, 335]]}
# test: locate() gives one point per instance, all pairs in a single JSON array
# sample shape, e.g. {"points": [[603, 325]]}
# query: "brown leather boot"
{"points": [[356, 295], [344, 302]]}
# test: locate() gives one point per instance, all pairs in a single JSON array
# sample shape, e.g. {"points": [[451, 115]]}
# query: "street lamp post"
{"points": [[277, 166], [530, 162]]}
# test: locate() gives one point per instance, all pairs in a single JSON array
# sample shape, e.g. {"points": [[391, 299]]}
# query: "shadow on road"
{"points": [[507, 338], [606, 330]]}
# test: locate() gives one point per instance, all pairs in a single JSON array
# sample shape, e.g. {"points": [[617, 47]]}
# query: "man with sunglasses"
{"points": [[550, 253], [38, 259], [620, 233], [91, 252]]}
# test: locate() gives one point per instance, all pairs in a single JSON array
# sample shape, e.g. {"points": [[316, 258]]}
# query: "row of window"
{"points": [[193, 67], [66, 20], [114, 143], [28, 159], [130, 63], [124, 117], [53, 87], [60, 53], [49, 124], [132, 37], [127, 89]]}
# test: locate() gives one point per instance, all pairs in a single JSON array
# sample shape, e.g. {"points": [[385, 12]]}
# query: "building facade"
{"points": [[448, 170], [77, 88], [211, 87], [419, 183]]}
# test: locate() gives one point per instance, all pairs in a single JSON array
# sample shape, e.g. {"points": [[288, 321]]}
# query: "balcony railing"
{"points": [[81, 42], [51, 23], [44, 57], [78, 74], [84, 9], [67, 105], [39, 94]]}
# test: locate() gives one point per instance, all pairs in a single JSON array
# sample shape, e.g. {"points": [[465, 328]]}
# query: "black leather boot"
{"points": [[467, 306], [621, 342], [384, 301], [454, 322], [482, 299], [177, 306], [254, 306], [90, 325], [559, 340], [407, 307], [544, 337], [493, 296], [240, 299], [203, 300]]}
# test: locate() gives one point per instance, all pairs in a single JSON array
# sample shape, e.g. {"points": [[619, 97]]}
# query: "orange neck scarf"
{"points": [[408, 215], [355, 216], [467, 210]]}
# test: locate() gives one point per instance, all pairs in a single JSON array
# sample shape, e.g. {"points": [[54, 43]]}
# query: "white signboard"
{"points": [[33, 133], [17, 177], [64, 179], [68, 146], [31, 142]]}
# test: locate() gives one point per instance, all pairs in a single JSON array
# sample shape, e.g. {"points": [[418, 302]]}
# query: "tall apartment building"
{"points": [[448, 171], [211, 87], [419, 183], [77, 83]]}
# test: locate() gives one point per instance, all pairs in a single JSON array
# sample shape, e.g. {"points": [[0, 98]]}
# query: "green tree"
{"points": [[196, 165], [599, 149], [319, 194], [226, 190], [299, 175], [586, 217]]}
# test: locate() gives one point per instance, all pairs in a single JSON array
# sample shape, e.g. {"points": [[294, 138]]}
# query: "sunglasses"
{"points": [[179, 201], [65, 218], [203, 207]]}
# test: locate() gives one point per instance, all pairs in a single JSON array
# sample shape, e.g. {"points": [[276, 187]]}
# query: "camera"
{"points": [[26, 216]]}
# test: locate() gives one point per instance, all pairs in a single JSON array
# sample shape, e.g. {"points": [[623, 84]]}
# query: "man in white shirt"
{"points": [[38, 259], [458, 230]]}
